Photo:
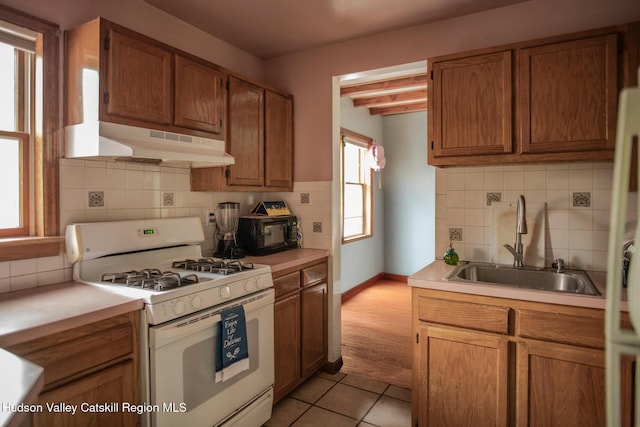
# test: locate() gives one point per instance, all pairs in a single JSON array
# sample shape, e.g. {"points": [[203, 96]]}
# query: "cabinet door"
{"points": [[463, 378], [199, 96], [568, 95], [287, 345], [560, 385], [246, 133], [139, 81], [109, 385], [314, 328], [278, 140], [472, 104]]}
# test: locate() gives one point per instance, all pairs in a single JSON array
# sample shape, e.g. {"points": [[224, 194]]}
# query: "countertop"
{"points": [[431, 277], [22, 381], [289, 258], [37, 312]]}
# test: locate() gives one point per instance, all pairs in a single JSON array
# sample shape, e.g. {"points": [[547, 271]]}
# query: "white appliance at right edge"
{"points": [[622, 342]]}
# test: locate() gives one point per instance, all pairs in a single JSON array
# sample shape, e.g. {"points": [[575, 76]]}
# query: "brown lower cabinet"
{"points": [[300, 318], [88, 366], [486, 361]]}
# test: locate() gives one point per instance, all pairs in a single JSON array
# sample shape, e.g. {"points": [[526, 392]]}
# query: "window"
{"points": [[29, 136], [16, 103], [356, 186]]}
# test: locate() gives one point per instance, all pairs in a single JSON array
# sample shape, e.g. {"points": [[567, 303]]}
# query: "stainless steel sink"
{"points": [[571, 281]]}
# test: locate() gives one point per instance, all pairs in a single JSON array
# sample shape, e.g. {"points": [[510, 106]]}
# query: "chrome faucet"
{"points": [[521, 228]]}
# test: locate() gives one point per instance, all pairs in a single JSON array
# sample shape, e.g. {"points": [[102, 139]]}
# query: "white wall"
{"points": [[409, 187], [363, 259]]}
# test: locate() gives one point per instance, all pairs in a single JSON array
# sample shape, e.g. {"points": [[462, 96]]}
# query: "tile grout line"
{"points": [[360, 420], [374, 404]]}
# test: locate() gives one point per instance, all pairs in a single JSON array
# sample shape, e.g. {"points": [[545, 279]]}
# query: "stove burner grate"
{"points": [[213, 265], [150, 278]]}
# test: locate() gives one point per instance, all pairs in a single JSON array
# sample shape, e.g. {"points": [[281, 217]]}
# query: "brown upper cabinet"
{"points": [[278, 140], [116, 75], [138, 79], [259, 137], [200, 96], [471, 105], [553, 99], [245, 140]]}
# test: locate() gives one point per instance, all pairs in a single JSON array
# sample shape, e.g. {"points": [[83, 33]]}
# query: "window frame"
{"points": [[363, 141], [25, 192], [45, 240]]}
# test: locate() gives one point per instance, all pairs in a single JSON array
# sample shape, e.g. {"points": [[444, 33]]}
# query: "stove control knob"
{"points": [[264, 282], [225, 292], [196, 301], [251, 285], [178, 307]]}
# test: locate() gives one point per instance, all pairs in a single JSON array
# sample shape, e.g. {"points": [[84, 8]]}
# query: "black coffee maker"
{"points": [[227, 215]]}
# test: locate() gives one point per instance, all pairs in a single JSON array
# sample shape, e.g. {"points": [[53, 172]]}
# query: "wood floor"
{"points": [[376, 333]]}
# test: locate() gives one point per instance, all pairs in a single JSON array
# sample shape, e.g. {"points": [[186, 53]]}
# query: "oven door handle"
{"points": [[166, 334]]}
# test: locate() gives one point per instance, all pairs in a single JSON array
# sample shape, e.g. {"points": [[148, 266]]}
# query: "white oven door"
{"points": [[182, 365]]}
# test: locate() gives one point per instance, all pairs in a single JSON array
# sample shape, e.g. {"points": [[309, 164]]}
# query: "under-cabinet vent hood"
{"points": [[111, 141]]}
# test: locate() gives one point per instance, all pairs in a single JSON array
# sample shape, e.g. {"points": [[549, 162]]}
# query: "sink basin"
{"points": [[571, 281]]}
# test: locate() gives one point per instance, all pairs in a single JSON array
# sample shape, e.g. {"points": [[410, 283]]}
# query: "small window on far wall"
{"points": [[16, 103], [356, 186]]}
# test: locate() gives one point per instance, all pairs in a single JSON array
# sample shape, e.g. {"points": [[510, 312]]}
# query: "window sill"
{"points": [[12, 249], [356, 238]]}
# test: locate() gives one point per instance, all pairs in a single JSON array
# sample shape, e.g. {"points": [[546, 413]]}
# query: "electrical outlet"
{"points": [[210, 216], [317, 227], [304, 198]]}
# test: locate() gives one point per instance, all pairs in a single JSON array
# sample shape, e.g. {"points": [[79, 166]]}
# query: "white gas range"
{"points": [[161, 262]]}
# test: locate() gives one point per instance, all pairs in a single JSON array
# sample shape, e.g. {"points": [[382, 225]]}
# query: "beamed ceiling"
{"points": [[394, 95]]}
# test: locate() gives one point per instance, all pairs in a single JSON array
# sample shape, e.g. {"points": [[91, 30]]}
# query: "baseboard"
{"points": [[361, 287], [375, 279], [333, 367], [396, 277]]}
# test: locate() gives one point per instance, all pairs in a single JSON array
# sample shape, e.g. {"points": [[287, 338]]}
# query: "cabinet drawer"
{"points": [[64, 355], [562, 328], [314, 274], [482, 317], [287, 283]]}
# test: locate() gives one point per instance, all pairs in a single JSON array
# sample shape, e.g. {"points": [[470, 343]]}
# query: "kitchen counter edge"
{"points": [[280, 261], [39, 312], [432, 277]]}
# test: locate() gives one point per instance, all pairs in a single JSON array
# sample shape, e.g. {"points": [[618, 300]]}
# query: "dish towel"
{"points": [[232, 355]]}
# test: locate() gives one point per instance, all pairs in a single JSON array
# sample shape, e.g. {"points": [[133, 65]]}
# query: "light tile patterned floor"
{"points": [[343, 400]]}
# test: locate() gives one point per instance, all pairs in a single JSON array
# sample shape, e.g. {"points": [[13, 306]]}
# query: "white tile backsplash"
{"points": [[134, 191], [577, 234]]}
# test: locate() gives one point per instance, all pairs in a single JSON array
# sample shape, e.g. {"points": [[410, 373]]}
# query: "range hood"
{"points": [[111, 141]]}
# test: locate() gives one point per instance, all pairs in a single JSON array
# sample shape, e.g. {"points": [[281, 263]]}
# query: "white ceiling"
{"points": [[270, 28]]}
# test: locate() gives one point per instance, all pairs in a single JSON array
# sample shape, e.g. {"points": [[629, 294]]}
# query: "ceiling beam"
{"points": [[399, 109], [416, 80], [391, 99]]}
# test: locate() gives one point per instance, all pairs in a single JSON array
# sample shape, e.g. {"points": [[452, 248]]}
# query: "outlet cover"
{"points": [[317, 227], [210, 216], [305, 198]]}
